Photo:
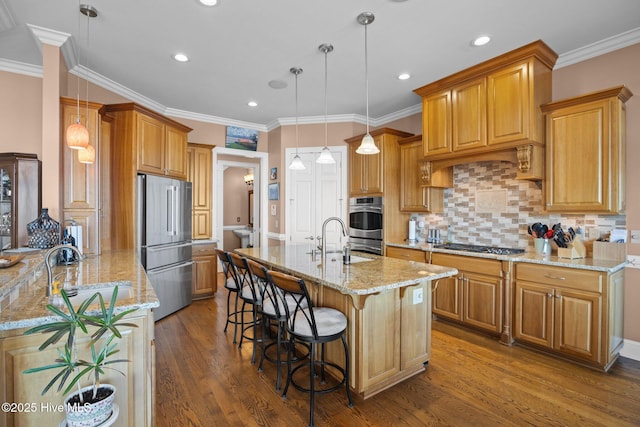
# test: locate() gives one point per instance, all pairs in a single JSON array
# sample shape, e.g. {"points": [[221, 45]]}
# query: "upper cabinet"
{"points": [[199, 171], [160, 143], [415, 194], [489, 110], [585, 153], [367, 172]]}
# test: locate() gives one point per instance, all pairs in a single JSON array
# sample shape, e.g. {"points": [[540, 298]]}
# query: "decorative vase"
{"points": [[44, 231], [90, 414]]}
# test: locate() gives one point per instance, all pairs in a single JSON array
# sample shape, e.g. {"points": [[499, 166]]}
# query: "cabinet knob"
{"points": [[550, 295]]}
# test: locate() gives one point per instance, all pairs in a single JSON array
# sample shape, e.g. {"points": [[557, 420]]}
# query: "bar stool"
{"points": [[274, 312], [231, 286], [311, 325], [250, 293]]}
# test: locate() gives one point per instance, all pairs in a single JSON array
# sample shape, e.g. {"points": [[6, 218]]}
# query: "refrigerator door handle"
{"points": [[171, 267], [176, 210]]}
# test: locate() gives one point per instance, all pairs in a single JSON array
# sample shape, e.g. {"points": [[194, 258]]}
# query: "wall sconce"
{"points": [[248, 179]]}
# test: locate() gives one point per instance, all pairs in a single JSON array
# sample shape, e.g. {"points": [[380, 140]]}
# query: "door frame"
{"points": [[260, 183]]}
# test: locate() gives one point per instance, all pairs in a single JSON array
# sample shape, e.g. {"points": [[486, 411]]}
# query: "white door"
{"points": [[315, 194]]}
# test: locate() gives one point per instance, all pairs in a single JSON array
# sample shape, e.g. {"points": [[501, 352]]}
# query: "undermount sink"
{"points": [[125, 291], [243, 235]]}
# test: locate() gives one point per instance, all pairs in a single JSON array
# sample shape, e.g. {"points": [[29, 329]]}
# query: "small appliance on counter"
{"points": [[421, 228]]}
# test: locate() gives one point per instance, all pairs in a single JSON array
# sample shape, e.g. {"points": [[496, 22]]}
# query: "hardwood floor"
{"points": [[472, 380]]}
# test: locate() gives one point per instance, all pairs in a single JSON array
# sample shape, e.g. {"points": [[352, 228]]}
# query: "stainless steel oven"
{"points": [[365, 224]]}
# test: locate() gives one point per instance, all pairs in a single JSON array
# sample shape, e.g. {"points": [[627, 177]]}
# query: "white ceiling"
{"points": [[238, 46]]}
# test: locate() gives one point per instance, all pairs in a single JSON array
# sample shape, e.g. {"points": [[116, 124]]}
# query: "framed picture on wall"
{"points": [[274, 191], [241, 138], [273, 174]]}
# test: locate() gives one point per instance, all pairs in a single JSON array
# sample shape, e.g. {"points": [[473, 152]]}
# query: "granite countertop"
{"points": [[27, 307], [608, 266], [368, 273]]}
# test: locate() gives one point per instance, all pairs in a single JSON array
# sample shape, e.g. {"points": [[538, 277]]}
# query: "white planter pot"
{"points": [[89, 415]]}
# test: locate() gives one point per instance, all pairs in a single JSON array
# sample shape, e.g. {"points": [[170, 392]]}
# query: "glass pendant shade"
{"points": [[296, 164], [88, 155], [325, 157], [77, 136], [367, 146]]}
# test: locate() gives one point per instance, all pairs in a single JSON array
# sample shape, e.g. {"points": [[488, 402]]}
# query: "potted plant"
{"points": [[90, 405]]}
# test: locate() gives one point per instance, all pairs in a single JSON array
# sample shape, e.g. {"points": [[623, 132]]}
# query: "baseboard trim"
{"points": [[631, 349]]}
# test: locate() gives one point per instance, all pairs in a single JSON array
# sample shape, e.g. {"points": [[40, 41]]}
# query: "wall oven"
{"points": [[365, 224]]}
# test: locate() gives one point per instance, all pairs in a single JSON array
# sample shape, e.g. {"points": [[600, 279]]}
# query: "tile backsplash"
{"points": [[488, 206]]}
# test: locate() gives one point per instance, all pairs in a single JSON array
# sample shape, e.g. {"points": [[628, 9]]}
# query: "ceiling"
{"points": [[238, 46]]}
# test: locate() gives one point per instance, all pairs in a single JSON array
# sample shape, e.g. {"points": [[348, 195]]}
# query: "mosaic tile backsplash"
{"points": [[488, 206]]}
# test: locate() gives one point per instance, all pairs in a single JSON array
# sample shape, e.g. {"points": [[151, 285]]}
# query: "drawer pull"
{"points": [[550, 295], [554, 277]]}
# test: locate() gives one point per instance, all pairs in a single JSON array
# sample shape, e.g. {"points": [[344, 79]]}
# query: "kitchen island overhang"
{"points": [[387, 302]]}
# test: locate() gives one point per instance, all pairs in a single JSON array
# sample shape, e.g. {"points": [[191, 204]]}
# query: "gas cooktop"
{"points": [[479, 249]]}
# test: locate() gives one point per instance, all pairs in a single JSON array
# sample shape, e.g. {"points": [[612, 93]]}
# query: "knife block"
{"points": [[575, 250]]}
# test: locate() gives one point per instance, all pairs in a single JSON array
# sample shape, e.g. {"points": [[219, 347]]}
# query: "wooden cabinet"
{"points": [[81, 183], [134, 395], [406, 254], [146, 142], [415, 195], [205, 270], [20, 189], [489, 109], [475, 296], [199, 172], [573, 313], [585, 153]]}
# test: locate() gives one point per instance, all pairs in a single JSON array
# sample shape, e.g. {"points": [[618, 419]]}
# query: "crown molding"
{"points": [[598, 48], [214, 119], [20, 68], [57, 39]]}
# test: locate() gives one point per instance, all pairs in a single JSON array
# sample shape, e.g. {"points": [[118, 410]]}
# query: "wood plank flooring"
{"points": [[202, 379]]}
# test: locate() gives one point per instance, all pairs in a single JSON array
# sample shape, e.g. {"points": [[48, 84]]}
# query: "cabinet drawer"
{"points": [[406, 254], [203, 249], [489, 267], [557, 276]]}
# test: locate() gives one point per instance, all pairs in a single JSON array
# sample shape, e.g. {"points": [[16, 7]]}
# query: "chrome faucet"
{"points": [[47, 262], [323, 246]]}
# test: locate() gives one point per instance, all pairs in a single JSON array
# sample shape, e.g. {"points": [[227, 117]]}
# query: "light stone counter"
{"points": [[23, 286], [528, 257], [377, 274]]}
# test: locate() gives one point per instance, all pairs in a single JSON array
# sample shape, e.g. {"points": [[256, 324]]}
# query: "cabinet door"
{"points": [[534, 313], [469, 121], [436, 123], [577, 324], [415, 326], [356, 172], [412, 196], [175, 153], [150, 135], [573, 133], [483, 301], [205, 270], [508, 104], [447, 298], [373, 169]]}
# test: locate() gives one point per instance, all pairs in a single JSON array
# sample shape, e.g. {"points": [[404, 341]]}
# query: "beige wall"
{"points": [[20, 113], [620, 67]]}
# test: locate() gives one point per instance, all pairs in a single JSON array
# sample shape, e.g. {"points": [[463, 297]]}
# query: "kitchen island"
{"points": [[387, 303], [23, 305]]}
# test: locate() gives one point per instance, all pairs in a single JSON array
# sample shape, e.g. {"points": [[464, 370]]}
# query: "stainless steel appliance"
{"points": [[365, 224], [164, 224]]}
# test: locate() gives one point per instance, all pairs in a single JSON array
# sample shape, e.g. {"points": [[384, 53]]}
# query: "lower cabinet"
{"points": [[406, 254], [475, 296], [205, 270], [573, 313], [134, 390]]}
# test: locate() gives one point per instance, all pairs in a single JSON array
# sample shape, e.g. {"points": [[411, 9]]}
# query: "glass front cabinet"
{"points": [[20, 203]]}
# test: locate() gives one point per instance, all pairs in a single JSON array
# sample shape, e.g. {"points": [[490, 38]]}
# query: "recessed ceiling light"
{"points": [[180, 57], [404, 76], [252, 104], [481, 41], [209, 2]]}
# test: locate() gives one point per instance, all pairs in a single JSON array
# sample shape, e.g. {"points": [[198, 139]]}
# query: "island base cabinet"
{"points": [[134, 392], [389, 336]]}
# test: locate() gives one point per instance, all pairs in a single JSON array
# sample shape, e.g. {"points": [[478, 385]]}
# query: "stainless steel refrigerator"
{"points": [[164, 224]]}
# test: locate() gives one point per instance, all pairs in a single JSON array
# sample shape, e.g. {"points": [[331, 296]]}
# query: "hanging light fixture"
{"points": [[325, 154], [77, 133], [367, 146], [296, 163], [88, 154]]}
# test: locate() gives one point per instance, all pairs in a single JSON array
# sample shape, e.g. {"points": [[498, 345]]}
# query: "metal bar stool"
{"points": [[231, 286], [250, 293], [311, 325], [274, 312]]}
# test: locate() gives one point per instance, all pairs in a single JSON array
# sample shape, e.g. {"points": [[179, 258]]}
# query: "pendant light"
{"points": [[296, 163], [367, 146], [325, 154], [77, 134], [88, 154]]}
